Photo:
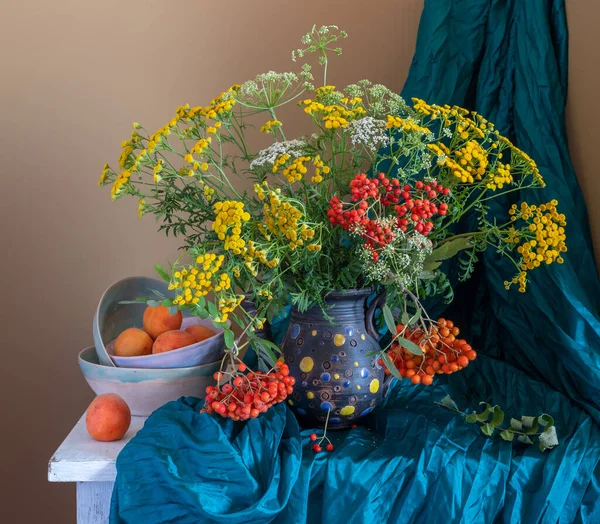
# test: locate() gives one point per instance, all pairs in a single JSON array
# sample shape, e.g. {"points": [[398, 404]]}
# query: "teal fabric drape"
{"points": [[413, 461]]}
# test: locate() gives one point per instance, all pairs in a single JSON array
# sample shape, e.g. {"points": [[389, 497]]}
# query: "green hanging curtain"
{"points": [[507, 59]]}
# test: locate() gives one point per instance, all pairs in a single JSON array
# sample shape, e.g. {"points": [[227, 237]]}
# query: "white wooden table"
{"points": [[91, 465]]}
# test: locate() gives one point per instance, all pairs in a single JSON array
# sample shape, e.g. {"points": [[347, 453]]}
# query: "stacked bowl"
{"points": [[149, 381]]}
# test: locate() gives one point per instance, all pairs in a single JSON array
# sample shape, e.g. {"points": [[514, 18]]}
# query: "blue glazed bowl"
{"points": [[145, 390], [112, 318]]}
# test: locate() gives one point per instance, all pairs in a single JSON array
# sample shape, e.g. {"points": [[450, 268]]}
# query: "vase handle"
{"points": [[378, 301]]}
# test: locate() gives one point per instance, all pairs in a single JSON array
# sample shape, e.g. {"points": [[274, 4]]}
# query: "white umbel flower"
{"points": [[369, 132]]}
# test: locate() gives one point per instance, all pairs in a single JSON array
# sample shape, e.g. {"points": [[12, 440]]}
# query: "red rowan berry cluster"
{"points": [[247, 394], [443, 353], [410, 208]]}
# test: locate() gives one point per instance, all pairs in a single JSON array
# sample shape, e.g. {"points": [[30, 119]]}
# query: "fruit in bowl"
{"points": [[133, 342], [157, 320], [170, 340], [200, 332]]}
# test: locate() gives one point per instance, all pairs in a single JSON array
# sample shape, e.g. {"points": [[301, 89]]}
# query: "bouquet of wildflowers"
{"points": [[370, 198]]}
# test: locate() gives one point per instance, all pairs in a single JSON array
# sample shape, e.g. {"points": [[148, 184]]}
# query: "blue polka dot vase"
{"points": [[335, 369]]}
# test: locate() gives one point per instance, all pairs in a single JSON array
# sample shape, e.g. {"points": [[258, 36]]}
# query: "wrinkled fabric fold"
{"points": [[413, 461]]}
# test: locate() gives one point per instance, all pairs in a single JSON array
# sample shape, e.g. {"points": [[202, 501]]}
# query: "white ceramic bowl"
{"points": [[145, 390], [209, 350]]}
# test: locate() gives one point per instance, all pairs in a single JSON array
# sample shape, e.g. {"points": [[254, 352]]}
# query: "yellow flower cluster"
{"points": [[406, 125], [529, 162], [260, 190], [224, 282], [105, 172], [320, 167], [260, 255], [296, 170], [157, 169], [156, 137], [218, 106], [228, 305], [196, 282], [467, 164], [501, 176], [283, 219], [230, 214], [545, 238], [435, 111], [120, 182], [200, 146], [270, 126], [334, 115], [141, 206]]}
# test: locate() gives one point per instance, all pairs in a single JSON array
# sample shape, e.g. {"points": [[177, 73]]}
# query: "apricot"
{"points": [[133, 342], [157, 320], [107, 418], [171, 340], [200, 332]]}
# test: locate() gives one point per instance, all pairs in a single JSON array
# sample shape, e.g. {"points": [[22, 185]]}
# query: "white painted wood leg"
{"points": [[93, 502]]}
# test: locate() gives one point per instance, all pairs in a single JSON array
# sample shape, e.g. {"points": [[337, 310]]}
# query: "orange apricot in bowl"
{"points": [[108, 418], [170, 340], [133, 342], [200, 332], [158, 320]]}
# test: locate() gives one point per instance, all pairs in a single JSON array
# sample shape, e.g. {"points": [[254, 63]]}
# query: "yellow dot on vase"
{"points": [[314, 332], [374, 385], [336, 376], [339, 340], [356, 364], [310, 395], [357, 387], [347, 411], [363, 337], [306, 364], [290, 402]]}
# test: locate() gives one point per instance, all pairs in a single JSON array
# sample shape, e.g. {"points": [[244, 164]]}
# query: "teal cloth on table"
{"points": [[539, 351]]}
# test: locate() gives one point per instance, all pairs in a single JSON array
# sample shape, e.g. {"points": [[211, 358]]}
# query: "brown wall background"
{"points": [[74, 75]]}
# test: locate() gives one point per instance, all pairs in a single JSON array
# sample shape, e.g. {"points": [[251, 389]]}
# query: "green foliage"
{"points": [[491, 418]]}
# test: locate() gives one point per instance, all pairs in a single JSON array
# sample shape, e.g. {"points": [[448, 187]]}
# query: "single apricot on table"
{"points": [[200, 332], [157, 320], [108, 418], [133, 342], [171, 340]]}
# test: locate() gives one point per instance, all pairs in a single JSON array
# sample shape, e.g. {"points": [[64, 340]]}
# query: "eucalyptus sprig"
{"points": [[491, 420]]}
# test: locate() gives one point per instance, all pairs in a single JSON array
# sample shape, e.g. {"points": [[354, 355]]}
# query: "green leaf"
{"points": [[389, 363], [153, 303], [409, 345], [448, 402], [212, 310], [136, 301], [372, 353], [162, 273], [172, 310], [428, 274], [530, 425], [498, 417], [507, 435], [524, 439], [485, 414], [471, 418], [415, 318], [405, 318], [389, 319], [167, 302], [264, 350], [516, 424], [267, 343], [444, 252], [229, 338], [487, 429]]}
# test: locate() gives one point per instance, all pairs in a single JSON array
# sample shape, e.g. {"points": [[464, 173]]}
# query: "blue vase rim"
{"points": [[349, 293]]}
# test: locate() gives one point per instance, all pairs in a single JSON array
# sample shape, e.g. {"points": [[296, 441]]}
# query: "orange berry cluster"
{"points": [[247, 394], [443, 352]]}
